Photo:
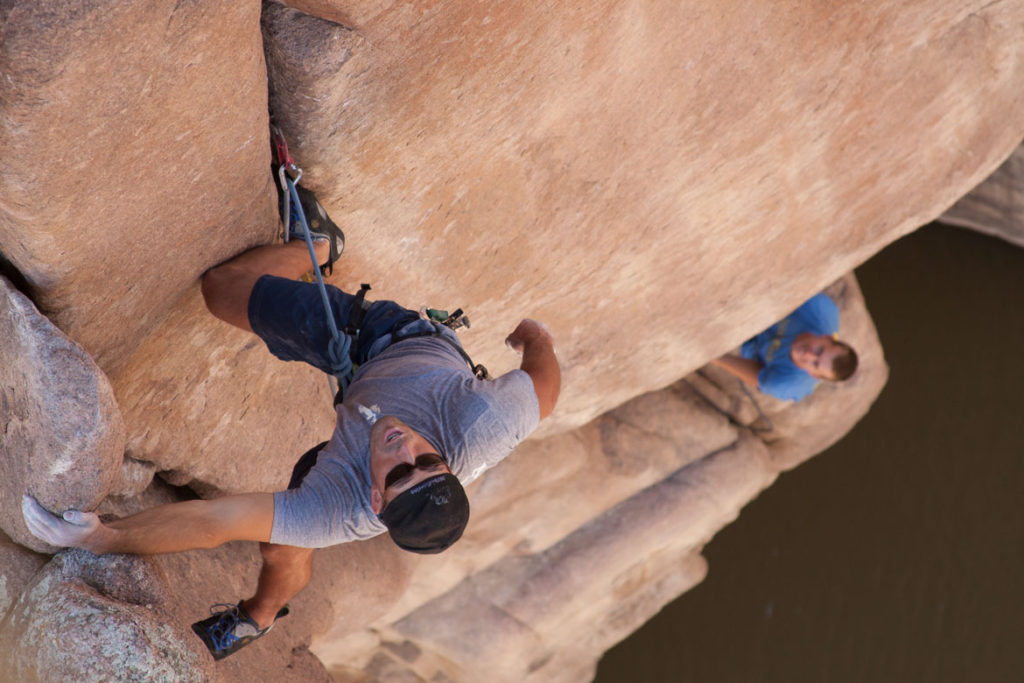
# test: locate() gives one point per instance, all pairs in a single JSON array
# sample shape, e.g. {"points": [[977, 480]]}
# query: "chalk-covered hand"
{"points": [[71, 530], [526, 332]]}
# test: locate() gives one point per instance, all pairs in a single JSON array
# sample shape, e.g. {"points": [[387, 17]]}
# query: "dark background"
{"points": [[898, 554]]}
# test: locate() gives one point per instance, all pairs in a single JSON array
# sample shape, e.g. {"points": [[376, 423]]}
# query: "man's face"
{"points": [[815, 353], [393, 444]]}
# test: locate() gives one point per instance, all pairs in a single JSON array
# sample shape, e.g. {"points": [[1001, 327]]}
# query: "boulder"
{"points": [[996, 206], [656, 182], [458, 166], [461, 147], [89, 618], [201, 580], [62, 436]]}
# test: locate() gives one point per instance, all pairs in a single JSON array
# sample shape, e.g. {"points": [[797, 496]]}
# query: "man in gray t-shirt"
{"points": [[415, 423]]}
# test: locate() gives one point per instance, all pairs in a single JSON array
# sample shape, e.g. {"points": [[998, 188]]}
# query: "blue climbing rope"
{"points": [[340, 345]]}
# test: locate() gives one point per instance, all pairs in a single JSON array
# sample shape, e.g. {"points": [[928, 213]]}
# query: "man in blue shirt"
{"points": [[787, 360]]}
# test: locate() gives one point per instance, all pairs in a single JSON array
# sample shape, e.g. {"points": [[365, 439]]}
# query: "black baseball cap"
{"points": [[430, 516]]}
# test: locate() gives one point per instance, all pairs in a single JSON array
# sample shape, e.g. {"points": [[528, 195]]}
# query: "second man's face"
{"points": [[815, 354]]}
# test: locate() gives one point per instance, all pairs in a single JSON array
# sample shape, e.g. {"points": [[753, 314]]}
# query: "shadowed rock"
{"points": [[17, 566], [996, 206]]}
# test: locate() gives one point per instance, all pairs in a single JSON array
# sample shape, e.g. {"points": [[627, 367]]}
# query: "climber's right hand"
{"points": [[69, 531]]}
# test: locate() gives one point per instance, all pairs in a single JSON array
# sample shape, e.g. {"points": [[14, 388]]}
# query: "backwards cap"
{"points": [[428, 517]]}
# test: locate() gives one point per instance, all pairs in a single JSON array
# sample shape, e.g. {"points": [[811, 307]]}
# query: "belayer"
{"points": [[789, 358], [415, 424]]}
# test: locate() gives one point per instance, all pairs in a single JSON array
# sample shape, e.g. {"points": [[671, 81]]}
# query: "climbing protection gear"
{"points": [[479, 371], [306, 208], [452, 322]]}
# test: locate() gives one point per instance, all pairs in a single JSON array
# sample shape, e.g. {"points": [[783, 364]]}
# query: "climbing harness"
{"points": [[479, 371], [340, 345]]}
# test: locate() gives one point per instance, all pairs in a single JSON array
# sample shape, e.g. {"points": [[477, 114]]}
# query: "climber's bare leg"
{"points": [[286, 571], [226, 287]]}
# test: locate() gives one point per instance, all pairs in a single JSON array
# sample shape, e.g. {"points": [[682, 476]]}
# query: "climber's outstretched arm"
{"points": [[746, 369], [162, 529]]}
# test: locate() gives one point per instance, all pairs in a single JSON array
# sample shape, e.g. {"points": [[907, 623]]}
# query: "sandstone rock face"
{"points": [[134, 143], [996, 206], [655, 188], [232, 418], [657, 181], [62, 436]]}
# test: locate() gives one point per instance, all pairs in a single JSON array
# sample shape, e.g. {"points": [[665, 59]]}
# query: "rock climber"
{"points": [[414, 425], [787, 359]]}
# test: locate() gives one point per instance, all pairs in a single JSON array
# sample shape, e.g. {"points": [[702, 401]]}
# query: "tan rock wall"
{"points": [[656, 188], [656, 182], [133, 141]]}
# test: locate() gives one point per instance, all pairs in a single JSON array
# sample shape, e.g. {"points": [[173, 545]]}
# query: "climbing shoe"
{"points": [[230, 629], [320, 224]]}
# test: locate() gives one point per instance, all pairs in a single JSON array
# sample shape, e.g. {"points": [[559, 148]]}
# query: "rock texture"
{"points": [[126, 618], [688, 173], [222, 400], [996, 206], [656, 182], [654, 188], [61, 433], [134, 146], [17, 566], [89, 618]]}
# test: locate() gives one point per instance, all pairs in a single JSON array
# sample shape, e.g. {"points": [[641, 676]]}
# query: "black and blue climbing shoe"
{"points": [[287, 175], [230, 629], [320, 225]]}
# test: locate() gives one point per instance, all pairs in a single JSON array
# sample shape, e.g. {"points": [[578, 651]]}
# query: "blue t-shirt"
{"points": [[425, 383], [780, 377]]}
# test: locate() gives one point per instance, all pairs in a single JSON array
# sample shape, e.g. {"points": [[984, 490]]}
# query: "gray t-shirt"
{"points": [[425, 383]]}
